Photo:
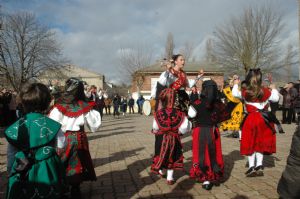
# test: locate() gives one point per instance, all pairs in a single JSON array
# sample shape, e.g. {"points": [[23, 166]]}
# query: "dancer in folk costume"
{"points": [[258, 132], [236, 105], [174, 77], [168, 125], [34, 145], [206, 112], [73, 111]]}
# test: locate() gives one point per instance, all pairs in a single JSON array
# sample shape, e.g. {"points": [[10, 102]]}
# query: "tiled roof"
{"points": [[188, 67]]}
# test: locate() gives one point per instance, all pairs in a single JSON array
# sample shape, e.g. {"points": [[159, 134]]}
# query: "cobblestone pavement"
{"points": [[122, 150]]}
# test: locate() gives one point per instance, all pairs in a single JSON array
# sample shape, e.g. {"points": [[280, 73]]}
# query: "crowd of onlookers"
{"points": [[9, 109], [117, 105], [120, 104]]}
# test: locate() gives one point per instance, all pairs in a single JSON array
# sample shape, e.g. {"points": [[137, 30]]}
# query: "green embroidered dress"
{"points": [[37, 171]]}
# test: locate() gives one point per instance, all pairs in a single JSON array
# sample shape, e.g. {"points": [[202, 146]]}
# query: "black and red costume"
{"points": [[206, 112]]}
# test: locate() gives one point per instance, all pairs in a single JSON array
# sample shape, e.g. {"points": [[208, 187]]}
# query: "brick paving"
{"points": [[122, 150]]}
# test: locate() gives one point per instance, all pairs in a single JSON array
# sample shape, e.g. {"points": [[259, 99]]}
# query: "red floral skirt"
{"points": [[77, 158], [208, 162], [257, 136]]}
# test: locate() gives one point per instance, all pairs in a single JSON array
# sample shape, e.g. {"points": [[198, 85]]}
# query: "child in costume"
{"points": [[168, 124], [73, 111], [205, 113], [258, 131], [35, 168]]}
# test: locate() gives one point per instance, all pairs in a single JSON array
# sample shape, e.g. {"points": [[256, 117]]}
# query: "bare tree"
{"points": [[169, 46], [187, 50], [209, 54], [132, 60], [27, 49], [250, 40], [299, 36]]}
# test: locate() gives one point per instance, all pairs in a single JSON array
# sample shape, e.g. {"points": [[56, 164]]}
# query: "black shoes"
{"points": [[250, 172], [259, 170], [207, 186], [255, 171], [281, 131]]}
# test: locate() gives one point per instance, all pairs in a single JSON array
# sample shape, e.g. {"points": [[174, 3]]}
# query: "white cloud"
{"points": [[91, 31]]}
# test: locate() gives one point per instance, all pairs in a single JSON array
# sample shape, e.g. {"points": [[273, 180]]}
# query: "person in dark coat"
{"points": [[131, 104], [288, 186]]}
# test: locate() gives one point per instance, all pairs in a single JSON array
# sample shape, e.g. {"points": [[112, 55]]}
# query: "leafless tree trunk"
{"points": [[250, 40], [169, 46], [288, 65], [187, 50], [209, 54], [27, 49], [134, 59], [299, 37]]}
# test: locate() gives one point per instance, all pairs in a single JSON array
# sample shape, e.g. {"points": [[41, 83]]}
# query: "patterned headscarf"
{"points": [[167, 97]]}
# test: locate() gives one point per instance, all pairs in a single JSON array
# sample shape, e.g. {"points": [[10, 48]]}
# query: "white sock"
{"points": [[161, 172], [251, 159], [259, 159], [170, 174], [240, 134], [206, 182]]}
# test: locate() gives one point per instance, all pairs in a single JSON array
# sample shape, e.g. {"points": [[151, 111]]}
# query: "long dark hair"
{"points": [[210, 92], [253, 85]]}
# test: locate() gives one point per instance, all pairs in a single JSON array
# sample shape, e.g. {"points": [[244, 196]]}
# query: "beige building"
{"points": [[59, 76], [144, 79]]}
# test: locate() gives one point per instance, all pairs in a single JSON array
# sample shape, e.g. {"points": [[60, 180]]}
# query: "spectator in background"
{"points": [[100, 101], [107, 102], [290, 95], [116, 103], [140, 103], [131, 104], [294, 95], [124, 105], [92, 93]]}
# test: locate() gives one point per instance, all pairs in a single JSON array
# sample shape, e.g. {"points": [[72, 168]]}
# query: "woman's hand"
{"points": [[201, 72], [236, 79]]}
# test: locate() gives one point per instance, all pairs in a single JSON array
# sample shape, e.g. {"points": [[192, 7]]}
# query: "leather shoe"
{"points": [[250, 172], [207, 186], [281, 131], [259, 170]]}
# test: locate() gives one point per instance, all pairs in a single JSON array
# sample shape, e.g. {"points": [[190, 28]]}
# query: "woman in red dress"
{"points": [[258, 132]]}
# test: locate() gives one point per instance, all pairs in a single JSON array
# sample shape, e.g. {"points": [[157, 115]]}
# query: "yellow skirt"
{"points": [[233, 124]]}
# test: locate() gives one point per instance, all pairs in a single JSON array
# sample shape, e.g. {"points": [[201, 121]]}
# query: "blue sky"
{"points": [[91, 32]]}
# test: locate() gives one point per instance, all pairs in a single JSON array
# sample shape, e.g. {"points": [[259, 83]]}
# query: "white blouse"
{"points": [[185, 126], [167, 78], [91, 118], [259, 105]]}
